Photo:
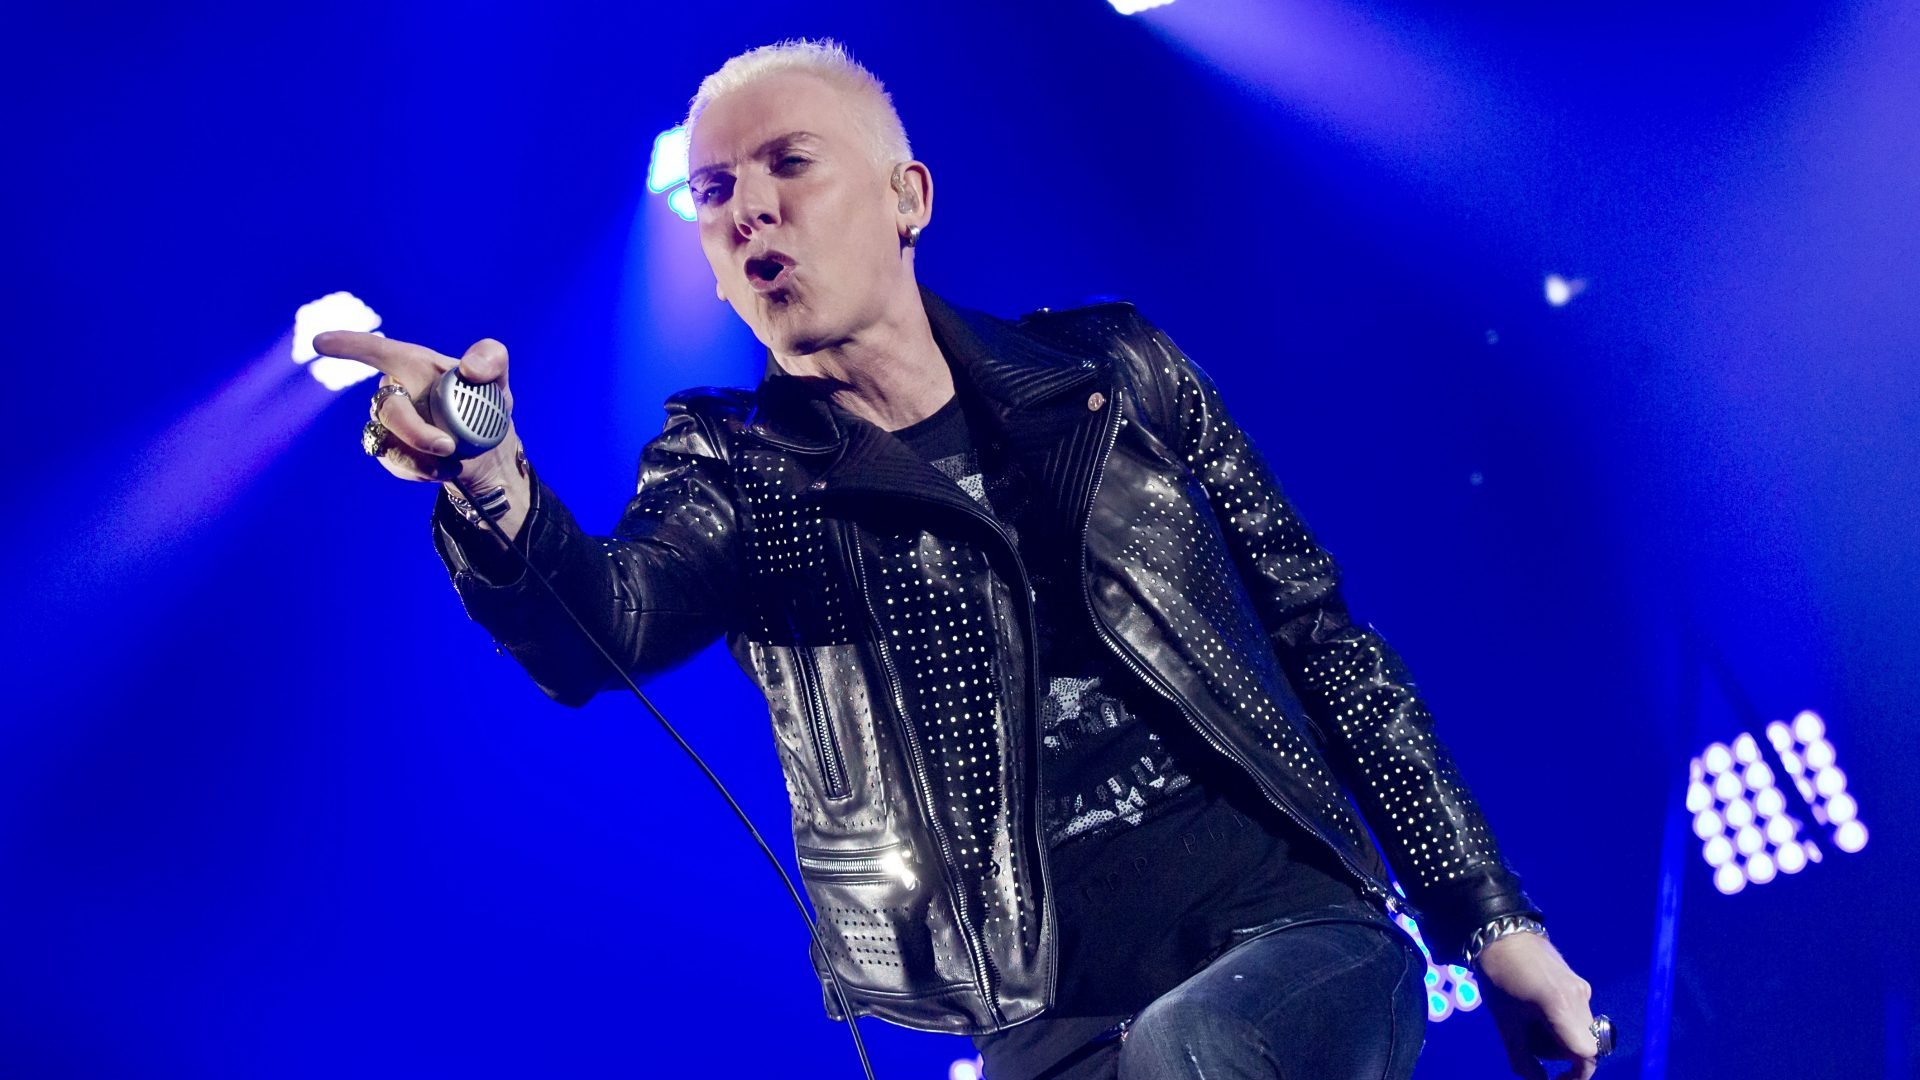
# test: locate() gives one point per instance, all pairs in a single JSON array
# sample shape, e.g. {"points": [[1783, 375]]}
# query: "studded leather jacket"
{"points": [[890, 624]]}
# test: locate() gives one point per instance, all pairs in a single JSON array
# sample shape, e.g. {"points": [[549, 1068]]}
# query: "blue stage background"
{"points": [[271, 807]]}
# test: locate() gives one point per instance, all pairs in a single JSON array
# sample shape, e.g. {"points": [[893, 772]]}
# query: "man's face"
{"points": [[796, 218]]}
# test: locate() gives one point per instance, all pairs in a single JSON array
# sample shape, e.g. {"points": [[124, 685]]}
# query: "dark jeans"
{"points": [[1329, 994]]}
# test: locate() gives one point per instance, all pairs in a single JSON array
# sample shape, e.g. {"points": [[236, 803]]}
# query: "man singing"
{"points": [[1079, 734]]}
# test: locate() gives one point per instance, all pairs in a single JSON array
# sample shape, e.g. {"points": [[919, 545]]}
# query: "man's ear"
{"points": [[914, 184]]}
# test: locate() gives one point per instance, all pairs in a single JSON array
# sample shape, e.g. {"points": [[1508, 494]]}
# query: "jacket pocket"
{"points": [[826, 745]]}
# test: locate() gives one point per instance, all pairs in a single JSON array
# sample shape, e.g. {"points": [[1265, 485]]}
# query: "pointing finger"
{"points": [[413, 365]]}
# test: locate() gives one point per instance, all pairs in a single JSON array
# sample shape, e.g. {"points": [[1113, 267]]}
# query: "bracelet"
{"points": [[1504, 926], [494, 502]]}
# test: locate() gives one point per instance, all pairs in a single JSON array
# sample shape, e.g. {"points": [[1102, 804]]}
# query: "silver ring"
{"points": [[1602, 1031], [380, 396]]}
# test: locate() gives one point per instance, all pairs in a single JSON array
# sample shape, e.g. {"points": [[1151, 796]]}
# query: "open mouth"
{"points": [[768, 271]]}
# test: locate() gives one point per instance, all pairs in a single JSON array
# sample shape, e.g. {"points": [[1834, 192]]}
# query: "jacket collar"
{"points": [[1014, 373]]}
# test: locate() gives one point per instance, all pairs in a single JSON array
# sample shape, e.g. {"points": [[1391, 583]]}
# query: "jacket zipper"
{"points": [[1153, 680], [875, 867], [986, 977], [832, 769], [1027, 600]]}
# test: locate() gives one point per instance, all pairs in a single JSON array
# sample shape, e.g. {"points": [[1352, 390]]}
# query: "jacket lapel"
{"points": [[1035, 394]]}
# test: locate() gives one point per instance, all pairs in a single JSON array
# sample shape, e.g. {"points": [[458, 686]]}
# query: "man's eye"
{"points": [[792, 161]]}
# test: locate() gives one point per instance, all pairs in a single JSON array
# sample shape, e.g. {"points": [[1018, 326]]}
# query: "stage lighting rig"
{"points": [[1752, 826]]}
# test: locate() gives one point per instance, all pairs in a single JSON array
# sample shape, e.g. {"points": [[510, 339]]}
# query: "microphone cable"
{"points": [[813, 929]]}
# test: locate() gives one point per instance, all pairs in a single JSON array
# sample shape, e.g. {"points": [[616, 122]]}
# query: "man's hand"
{"points": [[1540, 1006], [418, 450]]}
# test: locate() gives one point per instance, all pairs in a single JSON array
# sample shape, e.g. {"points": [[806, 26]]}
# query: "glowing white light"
{"points": [[1841, 809], [1850, 836], [1728, 787], [1718, 758], [1760, 868], [1739, 814], [1830, 782], [1770, 803], [1718, 850], [1759, 776], [1748, 840], [334, 311], [1706, 824], [668, 165], [1808, 726], [1135, 7], [1792, 761], [1819, 754], [1780, 832], [1699, 797], [680, 201], [1745, 750], [1560, 290], [964, 1069], [1779, 736], [1791, 859], [1728, 879]]}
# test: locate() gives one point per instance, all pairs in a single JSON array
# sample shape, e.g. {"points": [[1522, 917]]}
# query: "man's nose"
{"points": [[754, 207]]}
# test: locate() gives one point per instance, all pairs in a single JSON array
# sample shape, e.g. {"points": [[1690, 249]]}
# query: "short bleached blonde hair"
{"points": [[829, 60]]}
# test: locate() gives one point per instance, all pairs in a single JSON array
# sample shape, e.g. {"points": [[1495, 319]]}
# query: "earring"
{"points": [[913, 235]]}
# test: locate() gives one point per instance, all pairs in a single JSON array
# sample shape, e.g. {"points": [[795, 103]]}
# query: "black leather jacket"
{"points": [[786, 525]]}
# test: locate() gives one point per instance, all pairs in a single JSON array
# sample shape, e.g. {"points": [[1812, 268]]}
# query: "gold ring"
{"points": [[374, 438]]}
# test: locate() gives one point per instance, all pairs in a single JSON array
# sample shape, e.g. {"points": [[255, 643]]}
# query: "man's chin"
{"points": [[795, 333]]}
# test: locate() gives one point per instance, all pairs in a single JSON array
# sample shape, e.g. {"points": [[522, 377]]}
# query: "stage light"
{"points": [[1734, 798], [668, 167], [1450, 987], [1560, 290], [1729, 879], [1850, 837], [1134, 7], [680, 201], [966, 1069], [667, 170], [334, 311]]}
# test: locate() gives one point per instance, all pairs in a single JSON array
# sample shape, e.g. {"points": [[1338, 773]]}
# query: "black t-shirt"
{"points": [[1158, 847]]}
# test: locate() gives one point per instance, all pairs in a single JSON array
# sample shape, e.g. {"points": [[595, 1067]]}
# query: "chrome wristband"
{"points": [[1504, 926]]}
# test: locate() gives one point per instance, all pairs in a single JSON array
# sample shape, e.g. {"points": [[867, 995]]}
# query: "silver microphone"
{"points": [[475, 414]]}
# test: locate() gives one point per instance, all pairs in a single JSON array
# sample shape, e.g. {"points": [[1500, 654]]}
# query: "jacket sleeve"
{"points": [[655, 592], [1367, 713]]}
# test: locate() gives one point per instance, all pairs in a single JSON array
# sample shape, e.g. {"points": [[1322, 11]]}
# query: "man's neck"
{"points": [[892, 375]]}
